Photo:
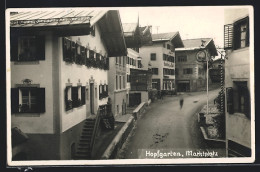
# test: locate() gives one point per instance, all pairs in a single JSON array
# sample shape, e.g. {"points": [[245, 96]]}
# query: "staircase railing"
{"points": [[95, 130]]}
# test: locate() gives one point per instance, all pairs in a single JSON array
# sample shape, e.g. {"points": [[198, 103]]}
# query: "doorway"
{"points": [[92, 98]]}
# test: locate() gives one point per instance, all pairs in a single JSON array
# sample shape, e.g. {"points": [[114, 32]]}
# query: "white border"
{"points": [[128, 161]]}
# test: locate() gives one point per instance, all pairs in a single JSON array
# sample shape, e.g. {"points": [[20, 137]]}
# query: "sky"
{"points": [[191, 22]]}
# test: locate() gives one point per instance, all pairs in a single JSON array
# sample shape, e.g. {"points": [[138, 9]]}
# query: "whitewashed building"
{"points": [[59, 78], [238, 82]]}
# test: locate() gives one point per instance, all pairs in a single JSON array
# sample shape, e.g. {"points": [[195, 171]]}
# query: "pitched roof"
{"points": [[164, 36], [57, 17], [174, 37], [194, 43]]}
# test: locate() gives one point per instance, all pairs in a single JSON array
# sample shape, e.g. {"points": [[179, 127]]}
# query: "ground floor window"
{"points": [[28, 100]]}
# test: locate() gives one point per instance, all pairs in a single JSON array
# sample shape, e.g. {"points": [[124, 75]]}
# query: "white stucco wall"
{"points": [[39, 74], [237, 68], [74, 73]]}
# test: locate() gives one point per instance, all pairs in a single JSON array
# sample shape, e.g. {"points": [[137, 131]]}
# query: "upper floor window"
{"points": [[168, 46], [182, 58], [187, 71], [28, 100], [27, 48], [155, 71], [241, 33], [153, 56]]}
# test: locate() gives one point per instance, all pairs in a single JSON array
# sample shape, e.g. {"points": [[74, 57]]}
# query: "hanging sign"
{"points": [[201, 56]]}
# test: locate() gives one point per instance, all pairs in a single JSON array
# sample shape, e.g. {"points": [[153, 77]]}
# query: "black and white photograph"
{"points": [[130, 85]]}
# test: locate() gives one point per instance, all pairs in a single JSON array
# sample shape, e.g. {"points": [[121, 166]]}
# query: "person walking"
{"points": [[181, 101]]}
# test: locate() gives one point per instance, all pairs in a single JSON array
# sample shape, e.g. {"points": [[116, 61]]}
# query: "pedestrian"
{"points": [[181, 101]]}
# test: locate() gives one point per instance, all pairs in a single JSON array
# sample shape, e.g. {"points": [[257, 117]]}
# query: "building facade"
{"points": [[217, 70], [59, 77], [159, 56], [117, 88], [190, 71], [238, 82]]}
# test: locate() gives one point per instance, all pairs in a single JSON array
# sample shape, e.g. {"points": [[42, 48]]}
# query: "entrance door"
{"points": [[92, 98]]}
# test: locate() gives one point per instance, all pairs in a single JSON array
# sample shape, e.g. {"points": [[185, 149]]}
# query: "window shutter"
{"points": [[74, 91], [236, 36], [107, 89], [73, 51], [66, 95], [230, 104], [40, 47], [83, 93], [64, 48], [247, 32], [41, 100], [14, 48], [14, 100]]}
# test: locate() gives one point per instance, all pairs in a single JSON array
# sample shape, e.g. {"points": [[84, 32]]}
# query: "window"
{"points": [[116, 82], [117, 109], [187, 71], [78, 96], [168, 46], [117, 60], [123, 81], [27, 48], [155, 71], [103, 91], [124, 60], [153, 56], [120, 82], [28, 100], [165, 57], [172, 71], [241, 33], [182, 58], [128, 78], [241, 98], [120, 60]]}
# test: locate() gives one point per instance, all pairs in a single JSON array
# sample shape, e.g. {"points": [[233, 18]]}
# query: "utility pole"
{"points": [[157, 28]]}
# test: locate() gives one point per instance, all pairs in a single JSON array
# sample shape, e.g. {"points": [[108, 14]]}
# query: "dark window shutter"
{"points": [[74, 96], [247, 32], [66, 49], [66, 97], [107, 89], [41, 100], [40, 47], [237, 36], [230, 104], [83, 93], [14, 100], [14, 47], [73, 51]]}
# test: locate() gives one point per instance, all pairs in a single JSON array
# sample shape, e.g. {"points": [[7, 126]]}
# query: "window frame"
{"points": [[153, 56]]}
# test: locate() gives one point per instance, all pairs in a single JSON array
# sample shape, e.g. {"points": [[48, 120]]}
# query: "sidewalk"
{"points": [[105, 138]]}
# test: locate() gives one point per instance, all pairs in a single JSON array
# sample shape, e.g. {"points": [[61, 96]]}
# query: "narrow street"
{"points": [[166, 126]]}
